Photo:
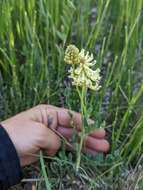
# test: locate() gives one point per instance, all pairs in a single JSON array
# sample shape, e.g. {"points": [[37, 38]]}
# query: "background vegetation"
{"points": [[33, 37]]}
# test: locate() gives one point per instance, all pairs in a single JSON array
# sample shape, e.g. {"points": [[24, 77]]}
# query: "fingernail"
{"points": [[49, 121]]}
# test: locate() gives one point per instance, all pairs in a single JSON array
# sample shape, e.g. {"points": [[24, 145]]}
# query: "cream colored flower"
{"points": [[88, 77], [82, 73], [72, 55], [86, 59]]}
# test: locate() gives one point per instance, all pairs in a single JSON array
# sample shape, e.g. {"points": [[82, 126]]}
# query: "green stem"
{"points": [[47, 183], [79, 153], [82, 96]]}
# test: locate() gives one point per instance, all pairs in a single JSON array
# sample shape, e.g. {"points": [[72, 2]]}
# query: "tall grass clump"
{"points": [[33, 38]]}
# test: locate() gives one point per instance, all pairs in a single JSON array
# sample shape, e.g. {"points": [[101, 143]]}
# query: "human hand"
{"points": [[31, 131]]}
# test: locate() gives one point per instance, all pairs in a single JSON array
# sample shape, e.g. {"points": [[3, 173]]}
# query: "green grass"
{"points": [[33, 37]]}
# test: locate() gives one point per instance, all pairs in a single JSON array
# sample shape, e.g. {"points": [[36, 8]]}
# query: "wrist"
{"points": [[9, 161]]}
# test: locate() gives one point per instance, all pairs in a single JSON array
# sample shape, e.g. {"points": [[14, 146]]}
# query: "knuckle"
{"points": [[41, 134], [40, 106], [57, 143]]}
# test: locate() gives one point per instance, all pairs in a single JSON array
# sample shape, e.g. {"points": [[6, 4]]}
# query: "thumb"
{"points": [[49, 141]]}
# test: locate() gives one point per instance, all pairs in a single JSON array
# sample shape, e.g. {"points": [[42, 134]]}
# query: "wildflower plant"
{"points": [[83, 78]]}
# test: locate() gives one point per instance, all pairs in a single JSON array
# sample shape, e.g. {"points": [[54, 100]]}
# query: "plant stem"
{"points": [[79, 153], [48, 185], [82, 96]]}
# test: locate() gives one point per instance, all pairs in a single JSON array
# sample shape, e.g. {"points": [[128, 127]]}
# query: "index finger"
{"points": [[65, 117]]}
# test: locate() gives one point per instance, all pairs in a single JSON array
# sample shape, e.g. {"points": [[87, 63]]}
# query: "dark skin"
{"points": [[43, 127]]}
